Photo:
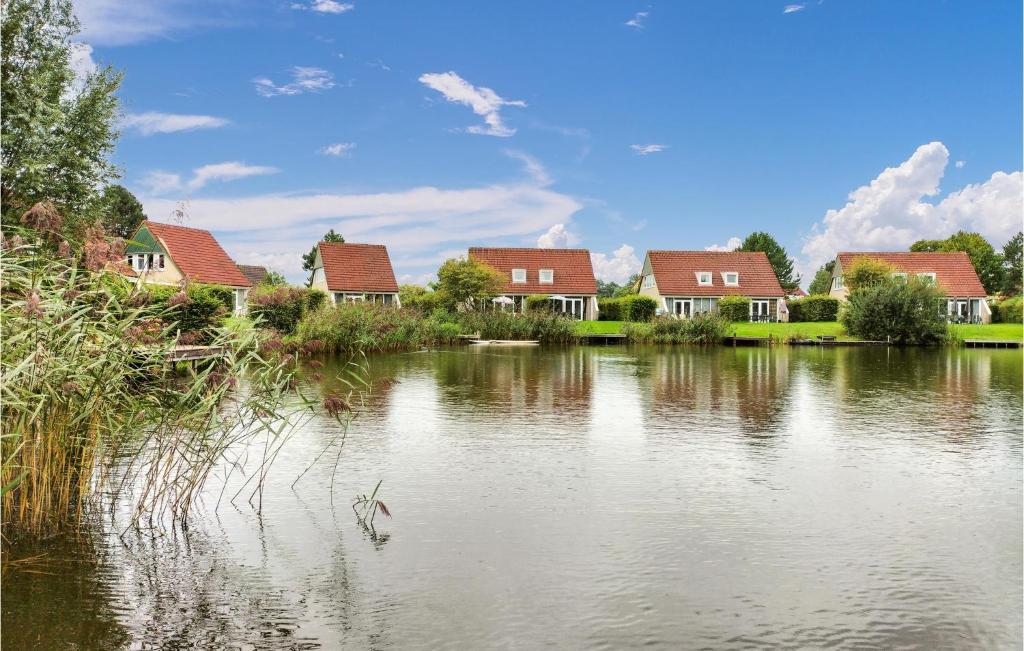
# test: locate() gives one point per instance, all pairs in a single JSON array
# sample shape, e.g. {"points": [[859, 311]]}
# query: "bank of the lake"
{"points": [[601, 497]]}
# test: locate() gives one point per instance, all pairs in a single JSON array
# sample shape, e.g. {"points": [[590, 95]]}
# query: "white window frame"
{"points": [[929, 275], [550, 277], [902, 275], [838, 284], [701, 275], [725, 278], [521, 279], [648, 281]]}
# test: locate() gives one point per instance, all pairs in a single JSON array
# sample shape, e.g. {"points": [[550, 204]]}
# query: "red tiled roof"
{"points": [[357, 267], [197, 254], [953, 271], [254, 273], [573, 272], [675, 273], [798, 292]]}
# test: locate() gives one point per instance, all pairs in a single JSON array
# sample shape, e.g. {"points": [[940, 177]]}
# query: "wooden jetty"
{"points": [[195, 353], [505, 342], [734, 340], [991, 343], [603, 339]]}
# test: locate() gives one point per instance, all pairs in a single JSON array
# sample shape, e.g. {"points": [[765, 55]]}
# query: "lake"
{"points": [[592, 497]]}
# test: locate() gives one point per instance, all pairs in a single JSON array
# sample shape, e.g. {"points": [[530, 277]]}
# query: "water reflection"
{"points": [[595, 497]]}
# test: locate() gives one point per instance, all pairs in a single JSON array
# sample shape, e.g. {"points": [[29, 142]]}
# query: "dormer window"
{"points": [[703, 277], [926, 277], [731, 278], [546, 276], [519, 275]]}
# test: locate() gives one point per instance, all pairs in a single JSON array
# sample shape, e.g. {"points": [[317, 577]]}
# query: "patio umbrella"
{"points": [[502, 300]]}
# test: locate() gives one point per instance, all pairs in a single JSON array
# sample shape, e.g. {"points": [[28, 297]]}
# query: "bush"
{"points": [[866, 272], [703, 328], [813, 308], [1009, 310], [545, 327], [539, 303], [734, 308], [904, 313], [279, 308], [315, 299], [627, 308]]}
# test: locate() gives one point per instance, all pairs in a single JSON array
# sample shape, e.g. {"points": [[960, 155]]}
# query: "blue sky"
{"points": [[615, 126]]}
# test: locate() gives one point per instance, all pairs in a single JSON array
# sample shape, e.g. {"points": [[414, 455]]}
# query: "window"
{"points": [[160, 263], [519, 275], [926, 276], [704, 304], [131, 262], [900, 276], [547, 276], [837, 282], [703, 277], [731, 278], [648, 281]]}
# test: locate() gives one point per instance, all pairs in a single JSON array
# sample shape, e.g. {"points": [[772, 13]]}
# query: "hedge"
{"points": [[734, 308], [539, 303], [626, 308], [281, 308], [1008, 310], [813, 308]]}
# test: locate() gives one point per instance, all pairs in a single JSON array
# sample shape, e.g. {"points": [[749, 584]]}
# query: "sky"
{"points": [[614, 126]]}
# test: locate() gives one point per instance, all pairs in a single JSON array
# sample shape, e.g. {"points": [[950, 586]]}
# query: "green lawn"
{"points": [[598, 327], [811, 330], [991, 331]]}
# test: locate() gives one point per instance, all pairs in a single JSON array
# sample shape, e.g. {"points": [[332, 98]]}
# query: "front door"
{"points": [[682, 309], [759, 311], [574, 307]]}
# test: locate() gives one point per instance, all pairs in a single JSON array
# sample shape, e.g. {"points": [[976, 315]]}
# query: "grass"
{"points": [[1008, 331], [599, 327], [806, 330]]}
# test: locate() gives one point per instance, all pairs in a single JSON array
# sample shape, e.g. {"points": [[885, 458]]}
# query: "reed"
{"points": [[704, 328], [92, 403]]}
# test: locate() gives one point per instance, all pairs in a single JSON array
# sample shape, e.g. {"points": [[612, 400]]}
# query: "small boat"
{"points": [[504, 342]]}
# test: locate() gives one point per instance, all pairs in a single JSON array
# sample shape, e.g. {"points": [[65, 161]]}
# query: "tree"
{"points": [[466, 283], [781, 263], [904, 313], [822, 282], [274, 279], [120, 212], [607, 289], [629, 288], [309, 259], [1012, 269], [987, 263], [58, 133], [866, 272]]}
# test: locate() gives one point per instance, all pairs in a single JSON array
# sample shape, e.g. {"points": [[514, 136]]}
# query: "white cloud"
{"points": [[325, 6], [733, 244], [82, 66], [152, 122], [792, 9], [622, 264], [304, 79], [960, 164], [338, 149], [556, 237], [533, 167], [890, 214], [159, 182], [637, 20], [483, 101], [643, 150], [117, 22]]}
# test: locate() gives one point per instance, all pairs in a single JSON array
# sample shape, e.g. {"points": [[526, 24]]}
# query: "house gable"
{"points": [[677, 273], [144, 242], [572, 270]]}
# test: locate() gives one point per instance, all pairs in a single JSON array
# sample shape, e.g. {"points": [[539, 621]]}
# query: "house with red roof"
{"points": [[952, 272], [566, 276], [686, 283], [355, 273], [167, 254]]}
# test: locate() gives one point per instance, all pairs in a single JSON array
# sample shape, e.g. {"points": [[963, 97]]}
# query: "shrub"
{"points": [[703, 328], [813, 308], [315, 299], [866, 272], [545, 327], [1009, 310], [539, 303], [734, 308], [627, 308], [418, 298], [279, 308], [904, 313]]}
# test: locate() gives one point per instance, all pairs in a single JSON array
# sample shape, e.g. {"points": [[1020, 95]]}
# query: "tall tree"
{"points": [[58, 132], [120, 212], [466, 284], [781, 263], [309, 259], [987, 263], [1012, 268], [607, 289], [822, 282]]}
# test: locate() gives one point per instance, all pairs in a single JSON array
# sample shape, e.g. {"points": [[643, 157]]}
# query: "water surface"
{"points": [[594, 498]]}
